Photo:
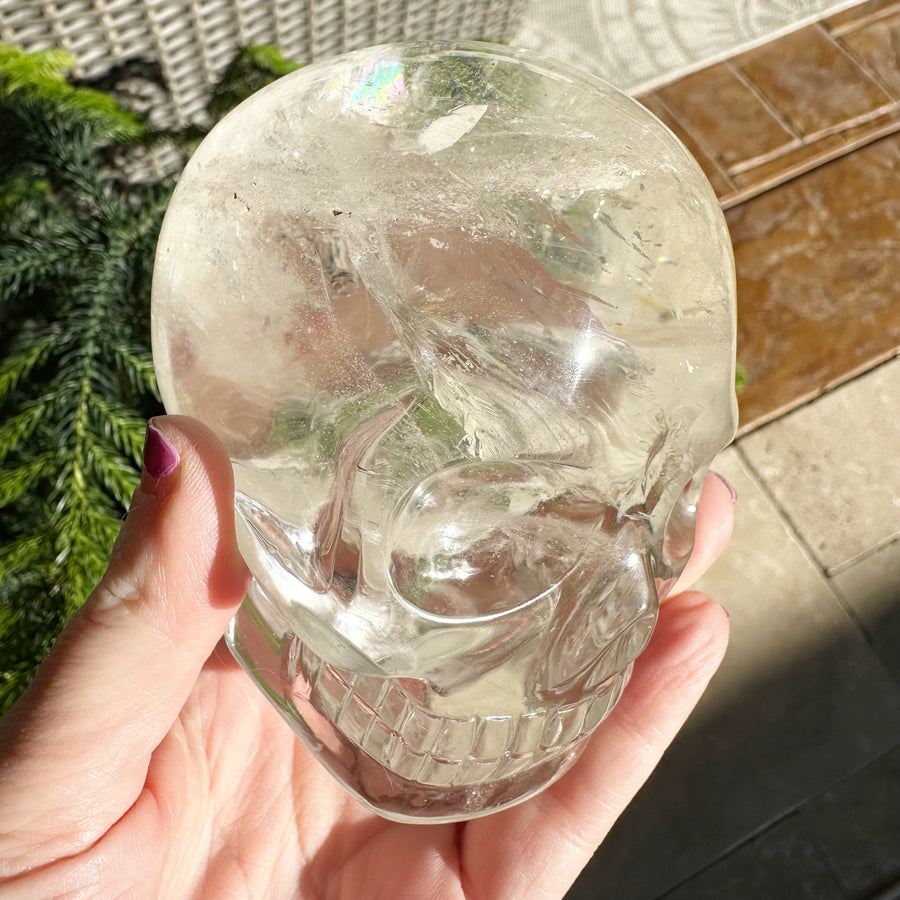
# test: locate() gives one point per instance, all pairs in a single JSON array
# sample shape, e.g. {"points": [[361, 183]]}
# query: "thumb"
{"points": [[78, 742]]}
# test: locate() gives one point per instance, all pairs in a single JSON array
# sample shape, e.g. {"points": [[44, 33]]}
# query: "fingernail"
{"points": [[160, 457], [731, 490]]}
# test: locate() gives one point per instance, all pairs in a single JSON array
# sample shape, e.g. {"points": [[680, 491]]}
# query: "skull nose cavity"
{"points": [[480, 539]]}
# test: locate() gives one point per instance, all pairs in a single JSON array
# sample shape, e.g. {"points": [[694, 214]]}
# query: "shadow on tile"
{"points": [[871, 588], [801, 702], [781, 862], [731, 773], [855, 827]]}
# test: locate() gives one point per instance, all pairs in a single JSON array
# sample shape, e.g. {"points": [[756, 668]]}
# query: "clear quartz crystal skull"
{"points": [[464, 319]]}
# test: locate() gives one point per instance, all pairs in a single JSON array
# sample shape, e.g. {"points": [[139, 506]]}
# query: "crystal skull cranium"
{"points": [[464, 319]]}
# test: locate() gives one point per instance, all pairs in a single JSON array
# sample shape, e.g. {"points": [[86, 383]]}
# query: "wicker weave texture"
{"points": [[193, 40]]}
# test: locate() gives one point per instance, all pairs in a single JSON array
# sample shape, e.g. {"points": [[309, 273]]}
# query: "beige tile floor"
{"points": [[786, 781]]}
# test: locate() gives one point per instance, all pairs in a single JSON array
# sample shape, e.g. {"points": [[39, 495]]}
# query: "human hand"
{"points": [[142, 761]]}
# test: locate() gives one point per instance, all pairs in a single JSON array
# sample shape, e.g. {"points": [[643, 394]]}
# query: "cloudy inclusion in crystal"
{"points": [[464, 320]]}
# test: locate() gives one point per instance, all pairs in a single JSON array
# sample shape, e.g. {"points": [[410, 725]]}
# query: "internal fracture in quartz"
{"points": [[465, 322]]}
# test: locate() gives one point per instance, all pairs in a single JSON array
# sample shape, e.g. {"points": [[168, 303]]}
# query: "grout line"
{"points": [[861, 626], [843, 49], [753, 162], [770, 107], [804, 825], [883, 360], [886, 109], [861, 63], [759, 833], [729, 201], [868, 636], [783, 514], [865, 21], [807, 550], [763, 485], [889, 892], [865, 554], [736, 847]]}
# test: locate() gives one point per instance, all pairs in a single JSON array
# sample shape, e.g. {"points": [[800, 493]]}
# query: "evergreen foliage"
{"points": [[76, 379], [253, 68]]}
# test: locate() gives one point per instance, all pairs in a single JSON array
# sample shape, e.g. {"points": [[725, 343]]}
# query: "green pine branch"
{"points": [[253, 68], [76, 250], [38, 82], [77, 385]]}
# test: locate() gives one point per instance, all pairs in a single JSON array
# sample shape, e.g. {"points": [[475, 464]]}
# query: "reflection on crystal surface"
{"points": [[464, 320]]}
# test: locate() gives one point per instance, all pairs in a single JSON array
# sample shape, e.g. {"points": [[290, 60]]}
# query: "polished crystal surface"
{"points": [[464, 319]]}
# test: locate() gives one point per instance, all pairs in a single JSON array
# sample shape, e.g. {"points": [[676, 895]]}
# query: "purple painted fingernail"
{"points": [[731, 490], [160, 457]]}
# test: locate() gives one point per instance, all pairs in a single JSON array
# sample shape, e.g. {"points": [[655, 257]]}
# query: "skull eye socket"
{"points": [[483, 538]]}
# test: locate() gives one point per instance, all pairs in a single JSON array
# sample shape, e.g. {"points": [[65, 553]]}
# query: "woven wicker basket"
{"points": [[193, 40]]}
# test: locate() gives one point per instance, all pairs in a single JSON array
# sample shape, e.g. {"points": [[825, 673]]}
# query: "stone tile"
{"points": [[856, 828], [884, 124], [781, 862], [726, 116], [859, 15], [792, 162], [871, 588], [834, 467], [718, 177], [800, 702], [746, 146], [878, 46], [812, 82], [818, 292], [769, 172]]}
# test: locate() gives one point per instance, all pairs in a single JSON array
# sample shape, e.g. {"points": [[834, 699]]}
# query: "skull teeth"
{"points": [[397, 730]]}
